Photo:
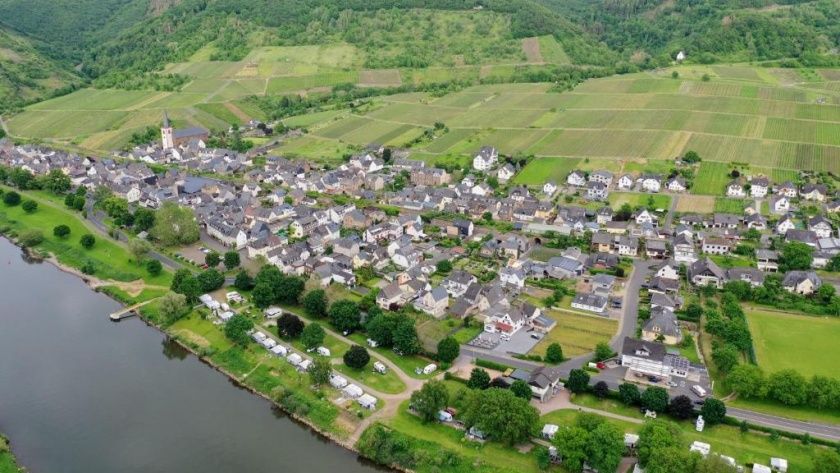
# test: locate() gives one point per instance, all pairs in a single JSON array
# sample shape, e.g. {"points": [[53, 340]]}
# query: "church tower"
{"points": [[166, 133]]}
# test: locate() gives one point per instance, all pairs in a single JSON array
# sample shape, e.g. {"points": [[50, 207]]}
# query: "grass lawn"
{"points": [[487, 454], [712, 178], [110, 259], [801, 342], [751, 447], [689, 350], [576, 334], [466, 334], [336, 347], [659, 201], [732, 206], [7, 460], [387, 383], [406, 363]]}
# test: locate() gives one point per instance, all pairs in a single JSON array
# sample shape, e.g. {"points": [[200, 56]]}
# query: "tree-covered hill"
{"points": [[712, 30]]}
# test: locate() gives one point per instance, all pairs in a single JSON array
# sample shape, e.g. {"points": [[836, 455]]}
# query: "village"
{"points": [[472, 249]]}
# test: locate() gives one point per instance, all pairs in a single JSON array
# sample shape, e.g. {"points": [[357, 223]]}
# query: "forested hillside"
{"points": [[653, 31], [26, 75]]}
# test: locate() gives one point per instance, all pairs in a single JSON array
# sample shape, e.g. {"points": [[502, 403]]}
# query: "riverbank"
{"points": [[8, 464]]}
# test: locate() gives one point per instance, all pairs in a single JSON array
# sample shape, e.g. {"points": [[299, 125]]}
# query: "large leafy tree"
{"points": [[629, 393], [357, 357], [315, 303], [430, 399], [345, 315], [312, 336], [320, 371], [479, 379], [289, 326], [405, 337], [656, 436], [655, 399], [501, 415], [796, 255], [606, 447], [448, 349], [236, 329], [681, 407], [578, 381], [713, 411], [747, 380], [174, 225]]}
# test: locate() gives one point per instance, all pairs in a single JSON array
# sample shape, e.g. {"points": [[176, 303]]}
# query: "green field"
{"points": [[576, 334], [742, 116], [792, 341], [110, 260], [659, 201]]}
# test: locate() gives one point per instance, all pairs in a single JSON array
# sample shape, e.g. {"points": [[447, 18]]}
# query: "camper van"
{"points": [[698, 390]]}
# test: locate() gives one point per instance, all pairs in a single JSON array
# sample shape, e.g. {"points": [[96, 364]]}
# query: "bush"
{"points": [[554, 353], [578, 381], [11, 198], [448, 349], [154, 267], [29, 206], [87, 241], [356, 357], [479, 379], [61, 231]]}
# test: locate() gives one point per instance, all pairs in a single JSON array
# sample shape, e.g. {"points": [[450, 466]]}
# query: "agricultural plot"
{"points": [[577, 334], [281, 85], [541, 170], [654, 201], [552, 52], [731, 206], [380, 78], [704, 204], [801, 342], [712, 178]]}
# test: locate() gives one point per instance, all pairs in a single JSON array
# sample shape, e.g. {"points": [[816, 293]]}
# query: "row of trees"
{"points": [[193, 285], [788, 387], [55, 181]]}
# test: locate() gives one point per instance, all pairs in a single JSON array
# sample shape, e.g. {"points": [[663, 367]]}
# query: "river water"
{"points": [[81, 394]]}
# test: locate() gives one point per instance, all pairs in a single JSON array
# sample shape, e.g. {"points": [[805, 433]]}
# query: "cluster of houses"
{"points": [[595, 185]]}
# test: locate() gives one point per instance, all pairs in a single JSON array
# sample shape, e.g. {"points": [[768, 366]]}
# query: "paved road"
{"points": [[830, 432], [675, 198]]}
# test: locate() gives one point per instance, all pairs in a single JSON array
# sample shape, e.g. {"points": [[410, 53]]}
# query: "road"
{"points": [[830, 432]]}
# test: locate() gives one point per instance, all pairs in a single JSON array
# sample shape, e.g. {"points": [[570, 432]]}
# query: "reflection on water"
{"points": [[81, 394]]}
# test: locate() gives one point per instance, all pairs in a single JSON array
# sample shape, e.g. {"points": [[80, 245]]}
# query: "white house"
{"points": [[785, 224], [651, 183], [576, 178], [759, 187], [506, 173], [590, 303], [644, 217], [485, 159], [625, 182], [549, 188], [676, 184], [735, 189]]}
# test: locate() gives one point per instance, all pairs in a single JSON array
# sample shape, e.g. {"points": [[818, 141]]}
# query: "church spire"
{"points": [[166, 120]]}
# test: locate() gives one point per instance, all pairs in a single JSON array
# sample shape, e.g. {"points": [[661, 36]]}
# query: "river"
{"points": [[81, 394]]}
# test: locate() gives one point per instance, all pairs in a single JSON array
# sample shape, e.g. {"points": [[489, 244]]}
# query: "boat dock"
{"points": [[126, 312]]}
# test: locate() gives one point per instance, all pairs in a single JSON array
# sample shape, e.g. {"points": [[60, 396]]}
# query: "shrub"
{"points": [[29, 238], [356, 357], [87, 241], [61, 231], [11, 198], [154, 267], [29, 206]]}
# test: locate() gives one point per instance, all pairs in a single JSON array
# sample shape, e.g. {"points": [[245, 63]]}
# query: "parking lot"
{"points": [[520, 343]]}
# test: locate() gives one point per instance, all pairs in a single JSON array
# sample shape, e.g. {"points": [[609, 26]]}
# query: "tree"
{"points": [[655, 436], [448, 349], [30, 238], [672, 460], [826, 461], [606, 447], [243, 281], [443, 266], [601, 390], [405, 337], [154, 267], [521, 389], [231, 260], [629, 394], [681, 407], [554, 353], [691, 157], [312, 336], [479, 379], [138, 249], [748, 381], [237, 328], [174, 225], [11, 198], [212, 259], [655, 399], [713, 411], [315, 303], [380, 328], [56, 182], [430, 399], [788, 387], [289, 289], [320, 371], [726, 356], [578, 381], [713, 464], [345, 315], [357, 357], [144, 219], [263, 295], [29, 206], [178, 279], [795, 256], [502, 415], [289, 325], [574, 442], [61, 231], [210, 280], [87, 241], [603, 351], [172, 306]]}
